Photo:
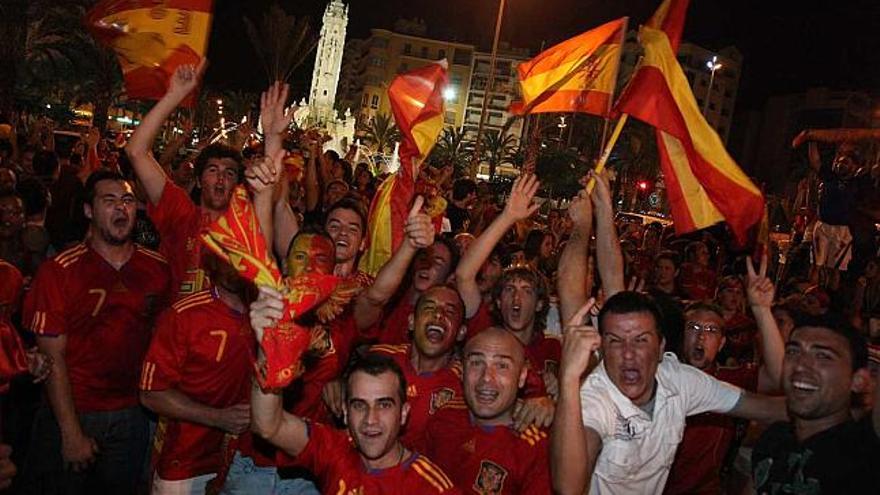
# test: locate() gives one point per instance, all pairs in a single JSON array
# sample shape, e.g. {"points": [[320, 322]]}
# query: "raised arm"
{"points": [[262, 178], [419, 235], [139, 148], [571, 283], [312, 185], [172, 148], [268, 419], [92, 162], [760, 292], [609, 258], [519, 207], [574, 447]]}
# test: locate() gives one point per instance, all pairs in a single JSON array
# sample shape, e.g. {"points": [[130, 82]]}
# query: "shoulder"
{"points": [[532, 436], [390, 350], [150, 255], [70, 256], [192, 301], [432, 475]]}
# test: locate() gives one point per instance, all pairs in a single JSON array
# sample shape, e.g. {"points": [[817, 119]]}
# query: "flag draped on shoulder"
{"points": [[577, 75], [417, 104], [704, 184], [152, 39]]}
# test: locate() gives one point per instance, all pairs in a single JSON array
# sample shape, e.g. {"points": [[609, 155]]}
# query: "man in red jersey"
{"points": [[179, 221], [92, 309], [196, 377], [367, 459], [432, 372], [699, 460], [474, 440]]}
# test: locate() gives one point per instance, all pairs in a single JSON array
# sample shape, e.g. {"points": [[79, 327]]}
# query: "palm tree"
{"points": [[13, 32], [381, 132], [282, 42], [498, 148], [452, 148]]}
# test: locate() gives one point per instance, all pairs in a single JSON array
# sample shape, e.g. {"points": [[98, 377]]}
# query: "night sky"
{"points": [[787, 46]]}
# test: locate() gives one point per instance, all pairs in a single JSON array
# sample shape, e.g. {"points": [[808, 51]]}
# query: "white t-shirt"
{"points": [[637, 449]]}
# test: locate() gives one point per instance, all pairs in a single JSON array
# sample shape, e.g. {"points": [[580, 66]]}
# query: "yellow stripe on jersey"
{"points": [[152, 254], [147, 375], [38, 324], [193, 300], [68, 258], [435, 470], [390, 349], [428, 477]]}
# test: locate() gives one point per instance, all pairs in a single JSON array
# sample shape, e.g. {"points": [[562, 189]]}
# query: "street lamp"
{"points": [[449, 93], [713, 66], [487, 92]]}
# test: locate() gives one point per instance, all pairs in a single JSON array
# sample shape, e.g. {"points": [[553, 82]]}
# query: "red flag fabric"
{"points": [[704, 185], [152, 39], [236, 238], [577, 75], [417, 104]]}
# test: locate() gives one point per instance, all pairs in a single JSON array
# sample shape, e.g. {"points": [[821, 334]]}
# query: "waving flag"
{"points": [[152, 39], [577, 75], [236, 238], [704, 184], [417, 104]]}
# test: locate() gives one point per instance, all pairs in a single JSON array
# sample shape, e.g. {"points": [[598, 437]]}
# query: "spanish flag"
{"points": [[151, 39], [704, 185], [577, 75], [417, 105]]}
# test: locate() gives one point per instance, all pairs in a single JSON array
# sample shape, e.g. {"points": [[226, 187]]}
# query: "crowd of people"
{"points": [[512, 348]]}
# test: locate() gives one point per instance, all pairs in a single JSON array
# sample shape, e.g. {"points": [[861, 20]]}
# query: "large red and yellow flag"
{"points": [[704, 184], [577, 75], [152, 38], [417, 104]]}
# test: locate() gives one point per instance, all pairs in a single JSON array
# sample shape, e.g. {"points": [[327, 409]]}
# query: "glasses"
{"points": [[706, 329]]}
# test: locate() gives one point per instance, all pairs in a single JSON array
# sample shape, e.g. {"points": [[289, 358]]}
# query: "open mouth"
{"points": [[423, 275], [435, 333], [804, 386], [486, 396], [120, 222], [698, 353], [631, 376]]}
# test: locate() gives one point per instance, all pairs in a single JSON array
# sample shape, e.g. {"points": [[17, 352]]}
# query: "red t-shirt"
{"points": [[179, 223], [332, 456], [697, 281], [488, 460], [393, 328], [544, 352], [707, 440], [11, 285], [426, 393], [203, 349], [107, 316], [481, 320]]}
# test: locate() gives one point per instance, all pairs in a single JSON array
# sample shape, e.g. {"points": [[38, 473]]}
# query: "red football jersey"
{"points": [[203, 349], [544, 353], [11, 285], [332, 456], [481, 320], [426, 392], [107, 316], [707, 439], [488, 460], [393, 328], [179, 223]]}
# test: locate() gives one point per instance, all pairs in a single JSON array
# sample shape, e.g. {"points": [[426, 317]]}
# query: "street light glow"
{"points": [[449, 93], [713, 64]]}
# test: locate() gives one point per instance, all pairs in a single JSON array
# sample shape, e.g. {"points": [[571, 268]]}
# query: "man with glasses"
{"points": [[708, 437]]}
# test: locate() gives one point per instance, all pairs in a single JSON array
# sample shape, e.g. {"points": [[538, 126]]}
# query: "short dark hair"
{"points": [[45, 163], [347, 172], [627, 302], [838, 324], [34, 195], [461, 188], [538, 282], [218, 151], [353, 204], [450, 244], [98, 176], [668, 255], [706, 306], [375, 364], [534, 239]]}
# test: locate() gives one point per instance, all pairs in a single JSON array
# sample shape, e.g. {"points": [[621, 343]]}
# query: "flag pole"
{"points": [[607, 124], [606, 153]]}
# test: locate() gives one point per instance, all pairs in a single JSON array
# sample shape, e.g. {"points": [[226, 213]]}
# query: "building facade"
{"points": [[387, 53]]}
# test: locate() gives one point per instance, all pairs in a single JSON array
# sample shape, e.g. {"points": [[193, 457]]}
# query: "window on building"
{"points": [[380, 42], [374, 103], [424, 52], [441, 53], [366, 100], [462, 57], [407, 49], [449, 118]]}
